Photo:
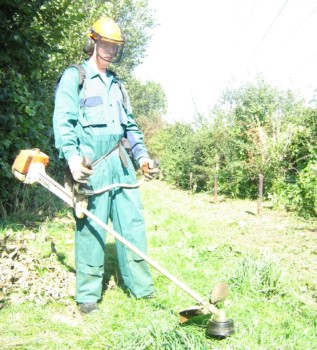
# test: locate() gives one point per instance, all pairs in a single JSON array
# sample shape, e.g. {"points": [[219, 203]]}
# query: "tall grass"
{"points": [[258, 275]]}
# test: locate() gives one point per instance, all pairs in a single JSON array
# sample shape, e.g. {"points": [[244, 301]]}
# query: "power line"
{"points": [[301, 25], [307, 61], [238, 34], [236, 10], [296, 30], [271, 25], [250, 14]]}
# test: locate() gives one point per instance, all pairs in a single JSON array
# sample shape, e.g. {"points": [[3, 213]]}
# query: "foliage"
{"points": [[148, 99], [149, 105], [40, 39], [299, 194], [173, 147], [22, 116], [254, 129], [260, 115]]}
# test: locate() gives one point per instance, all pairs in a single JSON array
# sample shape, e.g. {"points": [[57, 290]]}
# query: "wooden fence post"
{"points": [[259, 209], [191, 182], [215, 189]]}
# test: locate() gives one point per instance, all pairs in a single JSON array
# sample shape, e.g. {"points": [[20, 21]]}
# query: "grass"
{"points": [[268, 261]]}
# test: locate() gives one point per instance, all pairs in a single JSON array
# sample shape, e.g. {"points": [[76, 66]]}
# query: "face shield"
{"points": [[109, 50]]}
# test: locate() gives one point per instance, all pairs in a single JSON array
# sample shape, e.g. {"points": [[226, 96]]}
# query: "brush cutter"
{"points": [[29, 167]]}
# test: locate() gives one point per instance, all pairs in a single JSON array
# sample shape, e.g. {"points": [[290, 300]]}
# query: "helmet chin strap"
{"points": [[104, 59], [98, 56], [114, 54]]}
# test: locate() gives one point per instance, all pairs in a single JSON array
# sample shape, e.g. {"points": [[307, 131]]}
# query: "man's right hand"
{"points": [[79, 171]]}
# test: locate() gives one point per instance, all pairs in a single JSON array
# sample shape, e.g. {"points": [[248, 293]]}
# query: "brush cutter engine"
{"points": [[26, 159]]}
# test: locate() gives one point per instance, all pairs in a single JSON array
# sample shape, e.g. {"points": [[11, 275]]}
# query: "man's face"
{"points": [[106, 50]]}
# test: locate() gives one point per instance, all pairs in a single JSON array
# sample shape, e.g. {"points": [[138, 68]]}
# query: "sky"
{"points": [[202, 47]]}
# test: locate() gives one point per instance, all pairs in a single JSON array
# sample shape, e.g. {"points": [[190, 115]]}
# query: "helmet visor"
{"points": [[109, 50]]}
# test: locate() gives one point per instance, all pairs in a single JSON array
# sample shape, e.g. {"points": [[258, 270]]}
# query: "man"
{"points": [[89, 122]]}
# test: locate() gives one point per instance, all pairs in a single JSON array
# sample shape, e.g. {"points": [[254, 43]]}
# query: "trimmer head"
{"points": [[220, 329], [219, 293]]}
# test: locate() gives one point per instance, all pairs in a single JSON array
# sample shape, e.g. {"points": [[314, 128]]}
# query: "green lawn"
{"points": [[269, 262]]}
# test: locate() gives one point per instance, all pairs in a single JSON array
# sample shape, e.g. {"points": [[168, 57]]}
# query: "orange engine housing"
{"points": [[26, 157]]}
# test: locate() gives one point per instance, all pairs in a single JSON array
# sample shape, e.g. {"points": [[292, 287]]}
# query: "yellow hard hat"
{"points": [[106, 29]]}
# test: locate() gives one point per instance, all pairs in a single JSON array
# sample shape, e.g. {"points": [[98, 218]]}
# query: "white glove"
{"points": [[79, 172]]}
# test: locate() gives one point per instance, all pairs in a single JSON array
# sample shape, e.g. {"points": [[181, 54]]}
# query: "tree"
{"points": [[265, 121], [149, 105], [173, 147]]}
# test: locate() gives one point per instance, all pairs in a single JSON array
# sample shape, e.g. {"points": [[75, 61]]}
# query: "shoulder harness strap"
{"points": [[82, 74], [117, 80]]}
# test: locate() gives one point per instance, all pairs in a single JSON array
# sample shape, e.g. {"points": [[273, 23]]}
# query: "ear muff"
{"points": [[89, 46]]}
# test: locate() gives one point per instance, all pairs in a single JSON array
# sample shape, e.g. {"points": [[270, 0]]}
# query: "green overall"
{"points": [[89, 122]]}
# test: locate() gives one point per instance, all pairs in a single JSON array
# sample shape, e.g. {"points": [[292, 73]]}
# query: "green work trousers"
{"points": [[123, 207]]}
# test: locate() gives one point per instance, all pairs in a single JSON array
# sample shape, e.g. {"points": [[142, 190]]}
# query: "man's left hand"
{"points": [[149, 168]]}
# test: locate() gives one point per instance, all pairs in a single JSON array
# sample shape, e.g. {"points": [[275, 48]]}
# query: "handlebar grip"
{"points": [[87, 162]]}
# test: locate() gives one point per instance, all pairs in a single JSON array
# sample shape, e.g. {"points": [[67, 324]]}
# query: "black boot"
{"points": [[88, 308]]}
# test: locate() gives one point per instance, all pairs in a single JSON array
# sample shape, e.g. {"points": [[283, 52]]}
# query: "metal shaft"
{"points": [[61, 192]]}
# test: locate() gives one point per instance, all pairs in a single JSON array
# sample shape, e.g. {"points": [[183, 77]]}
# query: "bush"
{"points": [[300, 195]]}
